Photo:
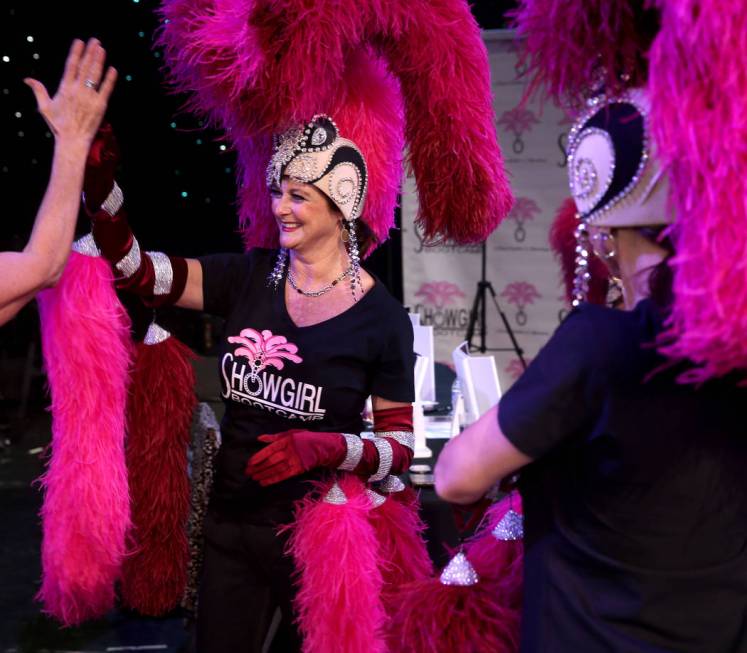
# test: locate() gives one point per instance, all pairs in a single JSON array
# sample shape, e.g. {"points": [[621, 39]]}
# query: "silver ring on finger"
{"points": [[91, 84]]}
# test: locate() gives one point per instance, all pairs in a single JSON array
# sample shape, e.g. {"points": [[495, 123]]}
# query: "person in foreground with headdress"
{"points": [[73, 115], [627, 424], [315, 104]]}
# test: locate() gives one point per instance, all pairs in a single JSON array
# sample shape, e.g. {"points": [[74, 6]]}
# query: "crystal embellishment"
{"points": [[375, 498], [86, 246], [155, 334], [391, 484], [336, 496], [510, 527], [318, 137], [459, 572]]}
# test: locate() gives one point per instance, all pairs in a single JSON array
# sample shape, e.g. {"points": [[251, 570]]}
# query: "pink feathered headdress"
{"points": [[382, 70], [696, 80]]}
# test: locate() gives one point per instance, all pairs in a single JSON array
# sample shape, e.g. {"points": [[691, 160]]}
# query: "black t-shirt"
{"points": [[636, 505], [277, 376]]}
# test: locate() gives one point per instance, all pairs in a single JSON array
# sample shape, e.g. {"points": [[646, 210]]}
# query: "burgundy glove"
{"points": [[101, 164], [157, 278], [294, 452]]}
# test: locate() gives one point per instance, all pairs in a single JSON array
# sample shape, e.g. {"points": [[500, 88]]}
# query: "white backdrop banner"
{"points": [[440, 282]]}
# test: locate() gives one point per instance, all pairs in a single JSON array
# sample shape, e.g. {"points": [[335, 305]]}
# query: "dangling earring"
{"points": [[355, 259], [344, 234], [276, 276], [582, 274]]}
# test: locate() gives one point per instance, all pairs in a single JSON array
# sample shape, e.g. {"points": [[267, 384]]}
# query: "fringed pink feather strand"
{"points": [[436, 618], [334, 547], [563, 243], [86, 511], [368, 110], [442, 64], [698, 90], [160, 411], [500, 564], [572, 47], [251, 68], [403, 556]]}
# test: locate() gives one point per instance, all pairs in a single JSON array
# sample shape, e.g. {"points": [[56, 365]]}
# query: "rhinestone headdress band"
{"points": [[315, 153]]}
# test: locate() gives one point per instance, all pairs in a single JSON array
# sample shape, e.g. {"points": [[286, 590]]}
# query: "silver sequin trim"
{"points": [[354, 452], [155, 335], [130, 263], [459, 572], [510, 527], [86, 246], [391, 484], [164, 273], [114, 200], [405, 438], [336, 496], [385, 459], [375, 498]]}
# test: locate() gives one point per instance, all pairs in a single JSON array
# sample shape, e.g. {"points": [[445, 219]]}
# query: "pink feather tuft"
{"points": [[368, 110], [563, 242], [698, 90], [159, 419], [86, 511], [571, 47], [335, 551], [252, 69], [436, 618], [403, 556], [501, 563]]}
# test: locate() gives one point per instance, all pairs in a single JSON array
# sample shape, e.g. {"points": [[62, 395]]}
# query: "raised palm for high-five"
{"points": [[76, 109]]}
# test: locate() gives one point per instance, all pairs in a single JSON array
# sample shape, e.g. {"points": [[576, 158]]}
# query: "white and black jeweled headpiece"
{"points": [[614, 176], [315, 153]]}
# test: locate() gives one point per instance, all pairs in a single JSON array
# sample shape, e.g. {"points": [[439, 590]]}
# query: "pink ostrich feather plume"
{"points": [[160, 409], [251, 69], [335, 551], [86, 511], [572, 47], [698, 90], [442, 64], [500, 563], [367, 108], [403, 556], [436, 618]]}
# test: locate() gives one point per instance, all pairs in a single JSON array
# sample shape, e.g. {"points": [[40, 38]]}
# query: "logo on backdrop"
{"points": [[442, 307], [248, 379], [520, 294], [524, 209], [519, 121], [451, 248]]}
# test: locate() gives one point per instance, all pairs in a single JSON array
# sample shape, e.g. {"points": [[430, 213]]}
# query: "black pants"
{"points": [[245, 577]]}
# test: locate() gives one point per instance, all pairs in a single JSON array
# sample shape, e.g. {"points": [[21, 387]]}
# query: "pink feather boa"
{"points": [[252, 69], [403, 556], [162, 401], [335, 551], [698, 89], [86, 511]]}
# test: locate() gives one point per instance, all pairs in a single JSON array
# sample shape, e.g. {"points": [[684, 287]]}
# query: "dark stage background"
{"points": [[179, 187]]}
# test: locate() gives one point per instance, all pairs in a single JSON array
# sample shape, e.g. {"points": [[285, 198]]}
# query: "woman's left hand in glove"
{"points": [[295, 452]]}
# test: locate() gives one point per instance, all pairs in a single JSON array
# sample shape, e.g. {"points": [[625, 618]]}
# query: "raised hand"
{"points": [[76, 110]]}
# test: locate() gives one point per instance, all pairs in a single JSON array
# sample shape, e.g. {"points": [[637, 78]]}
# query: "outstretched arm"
{"points": [[73, 116], [472, 462]]}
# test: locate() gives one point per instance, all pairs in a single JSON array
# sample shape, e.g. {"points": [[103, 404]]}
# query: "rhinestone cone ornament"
{"points": [[336, 496], [459, 572], [510, 527], [155, 334]]}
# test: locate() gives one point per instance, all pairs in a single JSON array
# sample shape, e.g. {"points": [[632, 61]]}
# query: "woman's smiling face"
{"points": [[305, 217]]}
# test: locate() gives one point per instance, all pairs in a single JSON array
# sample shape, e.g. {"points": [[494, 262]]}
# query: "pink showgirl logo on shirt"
{"points": [[264, 350]]}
